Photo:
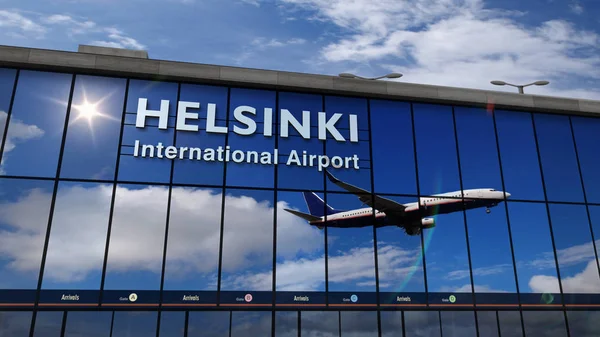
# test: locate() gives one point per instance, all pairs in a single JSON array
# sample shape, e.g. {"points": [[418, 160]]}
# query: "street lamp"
{"points": [[520, 86], [391, 75]]}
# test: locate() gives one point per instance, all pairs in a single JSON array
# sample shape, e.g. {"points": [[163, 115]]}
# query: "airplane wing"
{"points": [[379, 203]]}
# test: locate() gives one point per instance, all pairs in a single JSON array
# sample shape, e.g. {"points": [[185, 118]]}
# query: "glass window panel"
{"points": [[487, 324], [584, 323], [446, 255], [359, 323], [94, 126], [194, 239], [399, 255], [48, 324], [137, 238], [7, 81], [248, 241], [81, 211], [510, 323], [434, 133], [518, 153], [320, 323], [92, 324], [422, 324], [286, 324], [134, 324], [293, 175], [557, 153], [391, 324], [355, 154], [253, 173], [491, 256], [532, 243], [544, 323], [245, 323], [300, 246], [586, 137], [205, 171], [351, 260], [458, 323], [36, 125], [208, 324], [140, 168], [172, 324], [24, 209], [393, 150], [575, 249], [595, 219], [15, 324]]}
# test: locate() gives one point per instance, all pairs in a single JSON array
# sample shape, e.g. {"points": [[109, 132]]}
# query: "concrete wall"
{"points": [[136, 65]]}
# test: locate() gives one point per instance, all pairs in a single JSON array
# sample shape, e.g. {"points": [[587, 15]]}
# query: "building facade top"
{"points": [[121, 63]]}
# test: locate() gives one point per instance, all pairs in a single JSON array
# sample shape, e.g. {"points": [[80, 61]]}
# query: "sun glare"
{"points": [[87, 110]]}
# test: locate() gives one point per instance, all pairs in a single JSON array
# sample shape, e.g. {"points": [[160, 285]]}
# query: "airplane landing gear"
{"points": [[488, 210]]}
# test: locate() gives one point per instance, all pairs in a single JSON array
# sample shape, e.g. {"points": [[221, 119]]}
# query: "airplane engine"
{"points": [[428, 222]]}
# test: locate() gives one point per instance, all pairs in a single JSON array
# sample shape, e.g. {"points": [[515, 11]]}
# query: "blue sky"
{"points": [[463, 43]]}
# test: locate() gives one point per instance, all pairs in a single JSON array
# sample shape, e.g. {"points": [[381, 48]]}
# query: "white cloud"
{"points": [[585, 282], [255, 3], [263, 43], [459, 43], [13, 20], [481, 271], [18, 132], [467, 289], [576, 7], [118, 39]]}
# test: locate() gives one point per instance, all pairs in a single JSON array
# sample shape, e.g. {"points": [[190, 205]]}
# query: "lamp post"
{"points": [[390, 75], [520, 86]]}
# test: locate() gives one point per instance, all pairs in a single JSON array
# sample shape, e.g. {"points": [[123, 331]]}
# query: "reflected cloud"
{"points": [[467, 289], [584, 282], [483, 271], [18, 132]]}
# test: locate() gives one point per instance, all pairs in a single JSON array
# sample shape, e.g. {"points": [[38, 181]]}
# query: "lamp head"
{"points": [[541, 82], [347, 75], [498, 82], [394, 75]]}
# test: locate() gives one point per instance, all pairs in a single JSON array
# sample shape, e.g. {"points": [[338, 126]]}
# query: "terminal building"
{"points": [[142, 197]]}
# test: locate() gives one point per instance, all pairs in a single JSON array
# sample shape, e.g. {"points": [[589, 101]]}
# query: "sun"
{"points": [[87, 110]]}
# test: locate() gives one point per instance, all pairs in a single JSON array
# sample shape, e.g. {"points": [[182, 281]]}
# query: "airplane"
{"points": [[412, 217]]}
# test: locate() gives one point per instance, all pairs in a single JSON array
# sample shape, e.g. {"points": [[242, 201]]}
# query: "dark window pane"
{"points": [[137, 238], [355, 153], [208, 324], [48, 324], [559, 163], [359, 323], [293, 175], [574, 247], [434, 132], [190, 170], [322, 324], [400, 258], [81, 211], [15, 324], [584, 323], [393, 151], [487, 324], [587, 137], [300, 246], [286, 324], [391, 324], [92, 324], [536, 268], [172, 324], [94, 126], [36, 125], [24, 209], [253, 173], [7, 81], [510, 323], [248, 241], [544, 323], [458, 323], [520, 165], [151, 168], [194, 236], [134, 324], [351, 259], [422, 324], [245, 323]]}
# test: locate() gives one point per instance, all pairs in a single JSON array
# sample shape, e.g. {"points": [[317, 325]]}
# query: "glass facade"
{"points": [[142, 208]]}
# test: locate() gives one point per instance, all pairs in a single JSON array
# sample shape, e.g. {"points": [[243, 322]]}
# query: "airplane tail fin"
{"points": [[316, 206]]}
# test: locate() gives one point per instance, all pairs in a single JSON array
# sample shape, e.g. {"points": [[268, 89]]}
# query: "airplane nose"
{"points": [[507, 195]]}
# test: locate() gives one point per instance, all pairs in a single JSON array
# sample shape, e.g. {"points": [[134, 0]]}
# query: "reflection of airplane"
{"points": [[411, 216]]}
